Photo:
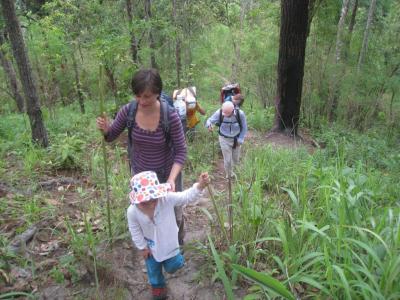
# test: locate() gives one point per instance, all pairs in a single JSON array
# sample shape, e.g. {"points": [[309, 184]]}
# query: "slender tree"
{"points": [[363, 51], [340, 27], [336, 79], [352, 22], [292, 46], [78, 84], [152, 44], [178, 44], [134, 41], [39, 133], [10, 73]]}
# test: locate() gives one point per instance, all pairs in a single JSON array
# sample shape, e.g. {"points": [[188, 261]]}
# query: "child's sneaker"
{"points": [[159, 293]]}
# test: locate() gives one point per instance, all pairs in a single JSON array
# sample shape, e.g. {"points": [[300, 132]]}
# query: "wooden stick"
{"points": [[221, 224], [103, 145]]}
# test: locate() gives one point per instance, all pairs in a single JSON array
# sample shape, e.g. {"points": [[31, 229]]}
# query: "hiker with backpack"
{"points": [[188, 95], [156, 141], [232, 125]]}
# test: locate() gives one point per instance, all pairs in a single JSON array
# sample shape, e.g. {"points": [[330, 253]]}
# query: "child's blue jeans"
{"points": [[154, 269]]}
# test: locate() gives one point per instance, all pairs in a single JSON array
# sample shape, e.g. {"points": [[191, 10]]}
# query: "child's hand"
{"points": [[204, 180], [145, 253], [210, 128]]}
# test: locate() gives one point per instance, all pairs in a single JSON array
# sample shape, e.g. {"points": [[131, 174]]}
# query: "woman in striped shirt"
{"points": [[151, 152]]}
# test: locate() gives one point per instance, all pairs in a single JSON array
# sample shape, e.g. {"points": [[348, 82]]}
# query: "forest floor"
{"points": [[120, 269]]}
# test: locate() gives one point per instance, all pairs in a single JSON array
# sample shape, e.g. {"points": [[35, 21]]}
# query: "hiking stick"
{"points": [[213, 146], [221, 224], [103, 145], [230, 215]]}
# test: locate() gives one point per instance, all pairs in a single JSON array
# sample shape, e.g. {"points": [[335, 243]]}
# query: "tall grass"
{"points": [[327, 225]]}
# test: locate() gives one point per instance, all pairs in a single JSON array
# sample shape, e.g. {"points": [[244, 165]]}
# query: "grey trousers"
{"points": [[231, 156]]}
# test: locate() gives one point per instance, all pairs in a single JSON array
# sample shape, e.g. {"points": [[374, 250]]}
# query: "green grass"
{"points": [[329, 222]]}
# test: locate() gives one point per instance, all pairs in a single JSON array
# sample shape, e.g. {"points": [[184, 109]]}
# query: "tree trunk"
{"points": [[78, 83], [152, 44], [39, 133], [111, 81], [12, 77], [134, 42], [340, 27], [366, 34], [339, 72], [178, 44], [292, 46], [351, 28]]}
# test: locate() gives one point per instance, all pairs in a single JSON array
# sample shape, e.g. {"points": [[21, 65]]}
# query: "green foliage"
{"points": [[66, 152], [328, 222]]}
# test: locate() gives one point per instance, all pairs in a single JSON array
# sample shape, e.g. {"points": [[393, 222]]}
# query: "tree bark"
{"points": [[292, 46], [12, 77], [351, 28], [152, 44], [39, 133], [111, 81], [340, 27], [371, 12], [134, 42], [78, 83], [339, 72]]}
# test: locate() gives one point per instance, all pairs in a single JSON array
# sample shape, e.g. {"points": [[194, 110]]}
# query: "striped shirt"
{"points": [[150, 149]]}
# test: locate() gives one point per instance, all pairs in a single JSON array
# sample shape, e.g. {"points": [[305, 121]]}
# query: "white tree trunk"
{"points": [[339, 38]]}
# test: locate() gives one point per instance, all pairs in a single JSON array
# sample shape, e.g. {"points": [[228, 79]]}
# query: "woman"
{"points": [[151, 151]]}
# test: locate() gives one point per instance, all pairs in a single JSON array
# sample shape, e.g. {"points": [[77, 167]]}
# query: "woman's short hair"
{"points": [[146, 79]]}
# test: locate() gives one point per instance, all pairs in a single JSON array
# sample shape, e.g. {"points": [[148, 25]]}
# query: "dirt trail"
{"points": [[122, 266], [128, 266]]}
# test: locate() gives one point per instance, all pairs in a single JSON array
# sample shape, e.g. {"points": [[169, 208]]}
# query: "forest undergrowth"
{"points": [[305, 225]]}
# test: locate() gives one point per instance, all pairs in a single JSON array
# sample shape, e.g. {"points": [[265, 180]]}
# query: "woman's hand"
{"points": [[172, 184], [204, 180], [102, 123], [145, 253]]}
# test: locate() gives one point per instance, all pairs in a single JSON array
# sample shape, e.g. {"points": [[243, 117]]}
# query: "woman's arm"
{"points": [[180, 150], [200, 109], [176, 168], [117, 127]]}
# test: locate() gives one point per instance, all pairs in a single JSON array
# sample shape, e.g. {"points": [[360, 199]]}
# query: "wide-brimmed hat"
{"points": [[146, 186]]}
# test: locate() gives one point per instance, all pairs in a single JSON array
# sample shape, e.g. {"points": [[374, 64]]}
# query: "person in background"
{"points": [[192, 107], [232, 131]]}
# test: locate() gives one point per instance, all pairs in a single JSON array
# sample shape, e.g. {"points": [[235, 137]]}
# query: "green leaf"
{"points": [[264, 280], [221, 271]]}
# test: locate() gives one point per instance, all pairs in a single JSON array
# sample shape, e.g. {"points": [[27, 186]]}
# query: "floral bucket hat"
{"points": [[146, 186]]}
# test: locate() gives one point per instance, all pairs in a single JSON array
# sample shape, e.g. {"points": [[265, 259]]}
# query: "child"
{"points": [[232, 131], [151, 221]]}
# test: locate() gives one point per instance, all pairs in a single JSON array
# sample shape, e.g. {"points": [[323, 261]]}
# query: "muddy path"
{"points": [[120, 269], [43, 269]]}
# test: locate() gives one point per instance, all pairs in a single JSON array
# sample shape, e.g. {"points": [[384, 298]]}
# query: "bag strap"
{"points": [[165, 123], [238, 118], [130, 121], [192, 91]]}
